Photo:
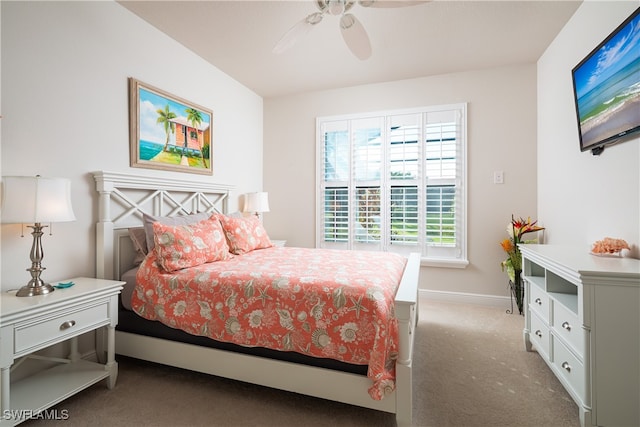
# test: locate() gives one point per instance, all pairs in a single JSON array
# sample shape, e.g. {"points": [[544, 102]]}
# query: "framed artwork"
{"points": [[167, 132]]}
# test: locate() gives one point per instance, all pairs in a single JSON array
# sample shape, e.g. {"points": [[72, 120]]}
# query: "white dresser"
{"points": [[582, 315], [29, 324]]}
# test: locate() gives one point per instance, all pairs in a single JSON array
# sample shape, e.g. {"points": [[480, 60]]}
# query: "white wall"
{"points": [[65, 113], [583, 198], [501, 136]]}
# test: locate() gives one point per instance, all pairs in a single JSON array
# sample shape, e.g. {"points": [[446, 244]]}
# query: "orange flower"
{"points": [[507, 245]]}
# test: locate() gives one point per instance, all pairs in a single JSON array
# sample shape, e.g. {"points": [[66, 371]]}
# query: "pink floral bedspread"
{"points": [[319, 302]]}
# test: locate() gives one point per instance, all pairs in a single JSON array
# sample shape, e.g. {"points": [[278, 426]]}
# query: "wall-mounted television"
{"points": [[606, 89]]}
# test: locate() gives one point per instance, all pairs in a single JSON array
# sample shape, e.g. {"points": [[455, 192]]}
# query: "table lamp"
{"points": [[256, 202], [36, 200]]}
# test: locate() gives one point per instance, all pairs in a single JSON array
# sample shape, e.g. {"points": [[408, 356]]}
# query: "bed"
{"points": [[124, 200]]}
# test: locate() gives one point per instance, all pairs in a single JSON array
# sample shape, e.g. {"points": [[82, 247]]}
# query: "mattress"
{"points": [[130, 322]]}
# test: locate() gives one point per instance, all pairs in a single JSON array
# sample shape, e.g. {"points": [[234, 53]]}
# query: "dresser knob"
{"points": [[567, 326], [539, 333], [566, 366], [68, 324], [538, 301]]}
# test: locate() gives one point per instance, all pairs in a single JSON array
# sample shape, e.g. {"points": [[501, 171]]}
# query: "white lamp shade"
{"points": [[256, 202], [34, 199]]}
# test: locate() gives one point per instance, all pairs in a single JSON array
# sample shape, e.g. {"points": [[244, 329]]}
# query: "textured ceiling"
{"points": [[430, 38]]}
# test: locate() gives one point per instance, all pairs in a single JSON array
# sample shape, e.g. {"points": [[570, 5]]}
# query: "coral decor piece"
{"points": [[610, 246]]}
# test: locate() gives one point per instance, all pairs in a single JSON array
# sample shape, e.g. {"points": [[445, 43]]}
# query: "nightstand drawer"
{"points": [[47, 330]]}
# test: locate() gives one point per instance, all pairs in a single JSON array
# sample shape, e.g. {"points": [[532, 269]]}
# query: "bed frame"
{"points": [[123, 198]]}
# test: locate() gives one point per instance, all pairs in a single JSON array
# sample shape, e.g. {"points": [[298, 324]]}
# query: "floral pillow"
{"points": [[245, 234], [148, 220], [188, 245]]}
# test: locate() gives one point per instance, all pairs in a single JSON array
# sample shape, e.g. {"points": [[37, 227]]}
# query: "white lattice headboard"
{"points": [[122, 200]]}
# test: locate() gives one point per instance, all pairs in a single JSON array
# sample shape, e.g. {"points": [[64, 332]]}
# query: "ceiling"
{"points": [[429, 38]]}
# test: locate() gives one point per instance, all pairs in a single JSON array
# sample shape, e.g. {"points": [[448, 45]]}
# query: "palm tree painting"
{"points": [[168, 132], [164, 117], [195, 118]]}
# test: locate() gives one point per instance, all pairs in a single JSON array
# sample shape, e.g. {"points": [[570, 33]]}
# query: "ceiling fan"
{"points": [[353, 33]]}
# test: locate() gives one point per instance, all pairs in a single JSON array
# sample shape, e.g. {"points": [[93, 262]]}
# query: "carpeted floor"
{"points": [[470, 369]]}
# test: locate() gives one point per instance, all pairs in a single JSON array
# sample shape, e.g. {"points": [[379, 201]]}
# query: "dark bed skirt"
{"points": [[129, 321]]}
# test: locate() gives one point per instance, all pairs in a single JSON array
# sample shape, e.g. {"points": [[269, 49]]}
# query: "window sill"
{"points": [[444, 262]]}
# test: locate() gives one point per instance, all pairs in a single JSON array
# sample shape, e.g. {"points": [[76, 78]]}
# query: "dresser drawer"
{"points": [[47, 330], [567, 326], [569, 368], [539, 302], [540, 335]]}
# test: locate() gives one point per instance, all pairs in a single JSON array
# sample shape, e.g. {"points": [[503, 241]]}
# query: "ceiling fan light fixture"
{"points": [[347, 21], [353, 33], [336, 7]]}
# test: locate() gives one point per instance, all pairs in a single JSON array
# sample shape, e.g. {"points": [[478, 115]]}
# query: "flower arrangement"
{"points": [[513, 264]]}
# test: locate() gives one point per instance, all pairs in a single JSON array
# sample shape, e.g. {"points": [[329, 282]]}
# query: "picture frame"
{"points": [[167, 132]]}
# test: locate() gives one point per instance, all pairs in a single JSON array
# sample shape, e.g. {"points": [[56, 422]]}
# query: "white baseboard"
{"points": [[464, 298]]}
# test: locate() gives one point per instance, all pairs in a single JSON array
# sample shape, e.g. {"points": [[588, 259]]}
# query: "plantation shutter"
{"points": [[367, 166], [444, 163], [406, 178], [335, 177], [394, 181]]}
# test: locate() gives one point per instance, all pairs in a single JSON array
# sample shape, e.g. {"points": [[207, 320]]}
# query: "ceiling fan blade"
{"points": [[355, 36], [296, 32], [390, 3]]}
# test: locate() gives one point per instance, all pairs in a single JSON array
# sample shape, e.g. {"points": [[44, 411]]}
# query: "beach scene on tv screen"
{"points": [[608, 87]]}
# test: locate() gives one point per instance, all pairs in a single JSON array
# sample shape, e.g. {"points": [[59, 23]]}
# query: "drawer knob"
{"points": [[566, 366], [538, 301], [68, 324], [539, 333], [567, 326]]}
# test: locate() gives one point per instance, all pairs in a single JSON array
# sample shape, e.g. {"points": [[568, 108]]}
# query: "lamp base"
{"points": [[36, 285], [34, 289]]}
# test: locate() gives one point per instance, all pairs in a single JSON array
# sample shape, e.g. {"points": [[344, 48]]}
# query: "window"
{"points": [[394, 181]]}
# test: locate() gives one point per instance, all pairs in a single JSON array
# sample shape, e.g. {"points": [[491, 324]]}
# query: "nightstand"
{"points": [[279, 243], [29, 324]]}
